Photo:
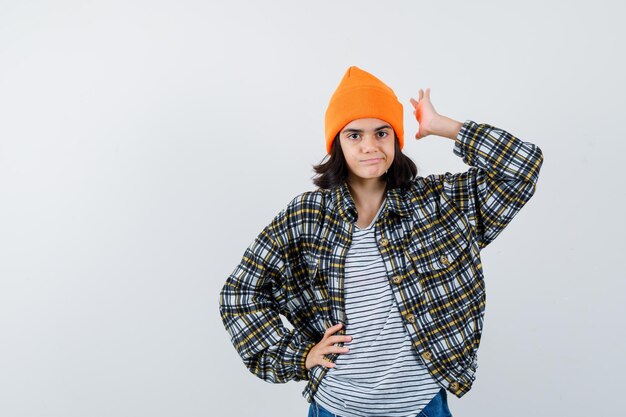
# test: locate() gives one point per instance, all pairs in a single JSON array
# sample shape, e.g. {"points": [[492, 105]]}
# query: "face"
{"points": [[368, 146]]}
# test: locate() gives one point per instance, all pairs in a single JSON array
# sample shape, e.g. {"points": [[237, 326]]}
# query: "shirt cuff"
{"points": [[300, 361], [462, 143]]}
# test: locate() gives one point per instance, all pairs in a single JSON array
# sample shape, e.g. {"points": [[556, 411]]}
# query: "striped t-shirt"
{"points": [[381, 375]]}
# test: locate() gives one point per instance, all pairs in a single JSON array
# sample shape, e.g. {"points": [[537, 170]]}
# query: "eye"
{"points": [[382, 134], [353, 136]]}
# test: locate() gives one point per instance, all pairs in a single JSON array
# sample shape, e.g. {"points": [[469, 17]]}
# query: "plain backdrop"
{"points": [[144, 144]]}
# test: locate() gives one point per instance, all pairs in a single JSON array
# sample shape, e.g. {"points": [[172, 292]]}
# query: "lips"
{"points": [[372, 160]]}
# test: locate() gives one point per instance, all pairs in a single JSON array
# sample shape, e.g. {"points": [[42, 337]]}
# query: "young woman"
{"points": [[379, 270]]}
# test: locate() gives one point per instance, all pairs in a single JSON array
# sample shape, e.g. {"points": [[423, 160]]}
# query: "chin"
{"points": [[370, 176]]}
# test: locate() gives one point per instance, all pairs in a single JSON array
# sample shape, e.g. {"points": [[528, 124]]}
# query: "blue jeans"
{"points": [[437, 407]]}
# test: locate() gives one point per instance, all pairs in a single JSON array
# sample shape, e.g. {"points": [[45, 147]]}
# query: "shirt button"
{"points": [[383, 242], [454, 386], [444, 260], [427, 356], [396, 280], [410, 318]]}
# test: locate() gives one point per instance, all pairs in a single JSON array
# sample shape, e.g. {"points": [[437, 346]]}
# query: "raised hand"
{"points": [[325, 346], [424, 112], [431, 122]]}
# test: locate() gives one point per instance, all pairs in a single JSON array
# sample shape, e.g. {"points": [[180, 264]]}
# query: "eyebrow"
{"points": [[361, 130]]}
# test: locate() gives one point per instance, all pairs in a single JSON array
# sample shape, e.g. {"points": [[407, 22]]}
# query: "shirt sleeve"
{"points": [[250, 314], [502, 177]]}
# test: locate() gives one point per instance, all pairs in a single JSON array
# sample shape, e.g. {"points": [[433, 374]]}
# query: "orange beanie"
{"points": [[361, 95]]}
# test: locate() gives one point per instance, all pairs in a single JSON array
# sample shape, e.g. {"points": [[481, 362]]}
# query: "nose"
{"points": [[369, 143]]}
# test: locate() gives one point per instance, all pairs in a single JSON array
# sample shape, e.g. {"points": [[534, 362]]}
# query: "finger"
{"points": [[324, 361], [421, 94], [327, 364], [428, 93], [331, 330], [414, 102], [338, 339], [336, 349]]}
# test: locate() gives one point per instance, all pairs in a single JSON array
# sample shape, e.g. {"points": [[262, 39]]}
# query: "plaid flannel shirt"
{"points": [[430, 236]]}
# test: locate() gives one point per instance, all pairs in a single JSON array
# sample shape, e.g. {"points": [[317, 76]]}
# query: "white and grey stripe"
{"points": [[381, 375]]}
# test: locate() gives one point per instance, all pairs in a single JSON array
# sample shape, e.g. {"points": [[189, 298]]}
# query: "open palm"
{"points": [[424, 112]]}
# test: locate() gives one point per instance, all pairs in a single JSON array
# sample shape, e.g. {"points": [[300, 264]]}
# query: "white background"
{"points": [[144, 144]]}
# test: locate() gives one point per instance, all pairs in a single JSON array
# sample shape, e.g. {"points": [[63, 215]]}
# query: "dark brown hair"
{"points": [[334, 171]]}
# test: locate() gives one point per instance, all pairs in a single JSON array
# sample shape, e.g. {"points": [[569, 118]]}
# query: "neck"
{"points": [[367, 192]]}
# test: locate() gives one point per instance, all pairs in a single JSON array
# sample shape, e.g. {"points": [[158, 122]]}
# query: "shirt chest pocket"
{"points": [[317, 284], [439, 250]]}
